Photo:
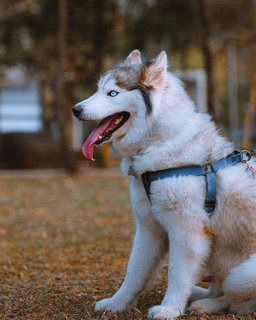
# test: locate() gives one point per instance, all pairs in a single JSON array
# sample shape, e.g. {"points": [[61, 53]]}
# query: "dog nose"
{"points": [[77, 109]]}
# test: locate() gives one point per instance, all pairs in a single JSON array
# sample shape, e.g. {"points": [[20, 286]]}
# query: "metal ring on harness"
{"points": [[246, 155]]}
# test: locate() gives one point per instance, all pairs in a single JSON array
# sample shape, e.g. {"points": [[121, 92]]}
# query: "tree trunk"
{"points": [[207, 55], [99, 34], [232, 87], [63, 109], [99, 45], [250, 116]]}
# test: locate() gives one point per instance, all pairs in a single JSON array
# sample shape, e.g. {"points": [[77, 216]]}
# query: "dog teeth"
{"points": [[117, 121], [112, 127]]}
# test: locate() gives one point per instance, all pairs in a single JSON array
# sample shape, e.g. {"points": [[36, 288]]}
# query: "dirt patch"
{"points": [[64, 244]]}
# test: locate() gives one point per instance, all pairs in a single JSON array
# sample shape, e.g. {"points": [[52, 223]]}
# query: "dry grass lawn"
{"points": [[64, 244]]}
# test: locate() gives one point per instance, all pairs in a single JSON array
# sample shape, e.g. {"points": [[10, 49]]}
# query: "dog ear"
{"points": [[153, 73], [133, 58]]}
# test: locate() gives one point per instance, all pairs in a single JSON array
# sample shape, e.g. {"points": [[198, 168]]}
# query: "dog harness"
{"points": [[208, 171]]}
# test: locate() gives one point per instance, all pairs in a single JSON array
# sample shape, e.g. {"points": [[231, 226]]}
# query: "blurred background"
{"points": [[52, 51]]}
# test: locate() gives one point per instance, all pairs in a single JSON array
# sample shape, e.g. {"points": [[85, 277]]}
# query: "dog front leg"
{"points": [[149, 244], [188, 251]]}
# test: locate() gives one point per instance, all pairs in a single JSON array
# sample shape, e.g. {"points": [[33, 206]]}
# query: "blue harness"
{"points": [[208, 171]]}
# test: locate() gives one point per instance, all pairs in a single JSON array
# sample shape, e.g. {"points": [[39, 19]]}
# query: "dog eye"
{"points": [[112, 93]]}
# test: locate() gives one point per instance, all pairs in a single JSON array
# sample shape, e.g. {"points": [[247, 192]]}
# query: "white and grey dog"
{"points": [[144, 110]]}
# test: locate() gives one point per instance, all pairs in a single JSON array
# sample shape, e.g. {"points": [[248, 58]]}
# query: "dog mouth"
{"points": [[103, 132]]}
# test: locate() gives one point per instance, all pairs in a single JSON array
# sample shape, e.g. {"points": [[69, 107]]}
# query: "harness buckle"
{"points": [[132, 172], [210, 199], [246, 155], [208, 168], [253, 151]]}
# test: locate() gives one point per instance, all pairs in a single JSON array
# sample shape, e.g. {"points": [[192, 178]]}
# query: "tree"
{"points": [[36, 35], [250, 117], [102, 32], [63, 115]]}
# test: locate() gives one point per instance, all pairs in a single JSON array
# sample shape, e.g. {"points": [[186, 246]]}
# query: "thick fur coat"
{"points": [[164, 130]]}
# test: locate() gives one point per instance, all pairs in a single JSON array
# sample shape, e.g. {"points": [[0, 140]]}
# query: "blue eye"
{"points": [[112, 93]]}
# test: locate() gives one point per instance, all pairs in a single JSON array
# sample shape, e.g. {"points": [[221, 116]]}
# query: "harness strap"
{"points": [[210, 199], [208, 171]]}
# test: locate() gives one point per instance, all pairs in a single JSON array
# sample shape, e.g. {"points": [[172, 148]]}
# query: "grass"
{"points": [[64, 245]]}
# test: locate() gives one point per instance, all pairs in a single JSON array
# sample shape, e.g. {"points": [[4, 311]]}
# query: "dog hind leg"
{"points": [[210, 305], [213, 291], [239, 290], [199, 293], [244, 308], [240, 287]]}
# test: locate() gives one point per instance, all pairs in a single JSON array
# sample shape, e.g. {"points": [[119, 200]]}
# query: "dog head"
{"points": [[127, 96]]}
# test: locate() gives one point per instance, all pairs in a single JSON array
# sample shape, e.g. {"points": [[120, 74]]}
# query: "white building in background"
{"points": [[20, 107], [21, 110], [195, 84]]}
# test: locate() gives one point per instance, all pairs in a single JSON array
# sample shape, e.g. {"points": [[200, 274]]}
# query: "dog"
{"points": [[145, 112]]}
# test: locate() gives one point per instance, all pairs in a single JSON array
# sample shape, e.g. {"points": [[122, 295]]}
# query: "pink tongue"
{"points": [[88, 146]]}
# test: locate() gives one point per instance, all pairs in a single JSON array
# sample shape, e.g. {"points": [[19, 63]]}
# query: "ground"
{"points": [[64, 244]]}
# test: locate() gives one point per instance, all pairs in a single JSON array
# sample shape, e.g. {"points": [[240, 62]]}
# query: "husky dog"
{"points": [[144, 110]]}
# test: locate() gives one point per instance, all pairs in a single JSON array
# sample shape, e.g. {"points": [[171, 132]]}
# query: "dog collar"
{"points": [[208, 170]]}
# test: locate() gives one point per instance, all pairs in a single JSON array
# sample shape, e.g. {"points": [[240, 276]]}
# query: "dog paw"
{"points": [[199, 293], [163, 313], [210, 305], [243, 308], [112, 304], [202, 306]]}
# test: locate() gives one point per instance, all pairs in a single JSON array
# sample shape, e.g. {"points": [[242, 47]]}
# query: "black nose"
{"points": [[77, 109]]}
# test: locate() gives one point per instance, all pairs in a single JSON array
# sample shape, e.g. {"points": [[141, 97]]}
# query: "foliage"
{"points": [[29, 28], [196, 34], [29, 34]]}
